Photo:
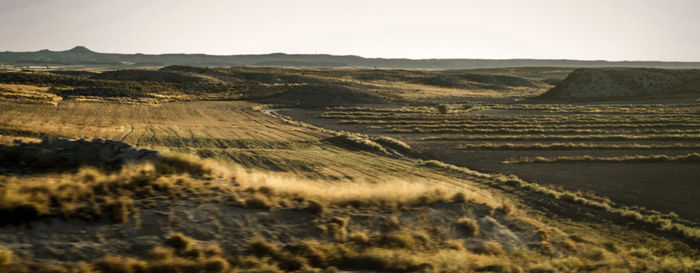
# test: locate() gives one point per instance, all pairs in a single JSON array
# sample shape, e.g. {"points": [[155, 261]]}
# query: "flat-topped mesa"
{"points": [[596, 84]]}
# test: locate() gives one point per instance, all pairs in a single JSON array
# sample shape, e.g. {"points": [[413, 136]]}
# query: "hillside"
{"points": [[290, 86], [592, 84], [81, 56], [259, 169], [281, 197]]}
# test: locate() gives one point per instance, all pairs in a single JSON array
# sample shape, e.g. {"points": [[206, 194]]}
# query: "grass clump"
{"points": [[179, 242], [174, 163], [641, 252], [315, 207], [5, 257], [357, 142], [116, 264], [469, 226], [489, 248], [394, 144]]}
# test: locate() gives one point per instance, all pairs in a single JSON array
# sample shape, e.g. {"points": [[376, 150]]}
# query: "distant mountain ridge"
{"points": [[82, 56]]}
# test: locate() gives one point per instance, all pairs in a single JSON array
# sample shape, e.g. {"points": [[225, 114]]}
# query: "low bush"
{"points": [[469, 226], [179, 242], [315, 207], [489, 248], [641, 252]]}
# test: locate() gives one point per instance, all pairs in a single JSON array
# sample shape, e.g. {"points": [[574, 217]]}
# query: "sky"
{"points": [[659, 30]]}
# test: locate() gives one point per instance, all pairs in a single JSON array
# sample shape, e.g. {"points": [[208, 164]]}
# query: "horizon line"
{"points": [[79, 47]]}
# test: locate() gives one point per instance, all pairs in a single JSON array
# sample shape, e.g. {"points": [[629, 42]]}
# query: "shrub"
{"points": [[179, 242], [258, 201], [213, 250], [641, 252], [506, 208], [359, 238], [315, 207], [310, 250], [442, 108], [262, 248], [115, 264], [399, 239], [161, 253], [455, 245], [594, 254], [216, 265], [470, 226], [460, 197], [489, 248]]}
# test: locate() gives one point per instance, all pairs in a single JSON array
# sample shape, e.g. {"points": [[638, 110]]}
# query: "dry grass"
{"points": [[544, 131], [28, 94], [391, 193], [358, 142], [470, 226], [660, 137], [5, 257], [575, 146], [693, 157]]}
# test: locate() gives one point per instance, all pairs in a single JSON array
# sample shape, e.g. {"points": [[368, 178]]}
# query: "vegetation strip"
{"points": [[541, 130], [694, 137], [574, 146], [694, 157]]}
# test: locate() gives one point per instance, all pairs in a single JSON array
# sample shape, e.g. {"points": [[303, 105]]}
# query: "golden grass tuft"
{"points": [[5, 257], [116, 264], [179, 242], [489, 248], [392, 193], [469, 226]]}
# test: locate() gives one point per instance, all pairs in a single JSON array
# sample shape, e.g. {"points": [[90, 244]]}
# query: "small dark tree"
{"points": [[442, 108]]}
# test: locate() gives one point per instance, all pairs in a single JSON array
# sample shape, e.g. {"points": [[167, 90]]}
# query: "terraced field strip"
{"points": [[576, 146], [667, 137], [472, 119], [604, 109], [545, 131], [541, 126], [692, 157]]}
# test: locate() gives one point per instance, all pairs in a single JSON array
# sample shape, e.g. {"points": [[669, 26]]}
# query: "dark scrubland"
{"points": [[255, 169]]}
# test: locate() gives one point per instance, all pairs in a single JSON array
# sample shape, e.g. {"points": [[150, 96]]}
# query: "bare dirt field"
{"points": [[661, 129]]}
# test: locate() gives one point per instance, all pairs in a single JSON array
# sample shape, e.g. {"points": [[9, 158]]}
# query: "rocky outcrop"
{"points": [[56, 153], [591, 84]]}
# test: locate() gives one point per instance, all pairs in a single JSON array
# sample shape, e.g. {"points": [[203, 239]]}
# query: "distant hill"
{"points": [[82, 56], [595, 84]]}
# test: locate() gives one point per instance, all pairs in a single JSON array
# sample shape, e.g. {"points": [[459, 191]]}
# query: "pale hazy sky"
{"points": [[552, 29]]}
